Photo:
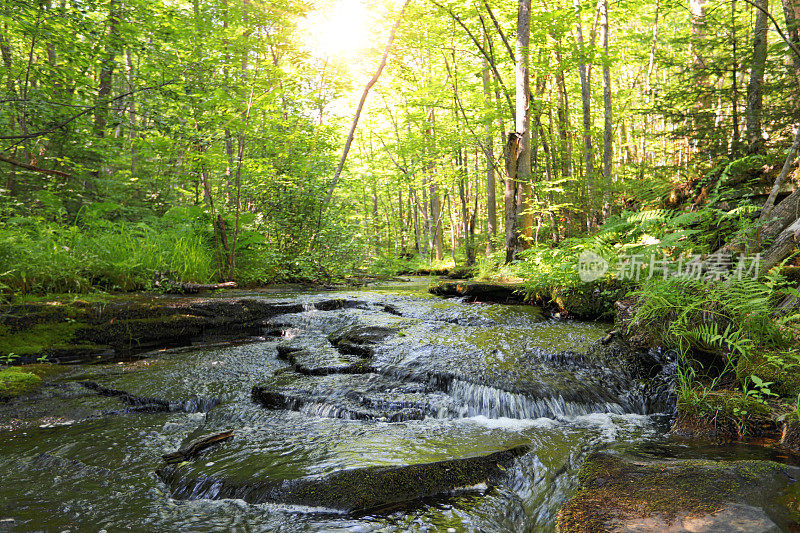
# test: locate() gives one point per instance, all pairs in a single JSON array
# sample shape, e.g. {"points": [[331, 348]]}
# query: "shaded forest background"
{"points": [[198, 140]]}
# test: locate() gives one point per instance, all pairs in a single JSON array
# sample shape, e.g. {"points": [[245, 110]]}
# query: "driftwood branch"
{"points": [[194, 448]]}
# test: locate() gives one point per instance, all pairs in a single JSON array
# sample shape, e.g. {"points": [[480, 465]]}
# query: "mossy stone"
{"points": [[15, 382], [36, 340], [614, 488], [785, 381]]}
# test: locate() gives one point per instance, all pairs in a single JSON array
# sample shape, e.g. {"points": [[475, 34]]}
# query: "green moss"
{"points": [[43, 370], [14, 382], [725, 415], [37, 339], [781, 369], [588, 300], [612, 487]]}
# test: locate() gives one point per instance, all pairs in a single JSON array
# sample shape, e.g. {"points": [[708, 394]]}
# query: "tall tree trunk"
{"points": [[520, 141], [106, 71], [648, 95], [791, 12], [608, 130], [491, 200], [735, 135], [755, 90], [702, 114], [5, 51], [586, 101]]}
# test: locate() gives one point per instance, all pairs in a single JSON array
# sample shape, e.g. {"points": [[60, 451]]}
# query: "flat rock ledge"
{"points": [[81, 332], [624, 494], [353, 491]]}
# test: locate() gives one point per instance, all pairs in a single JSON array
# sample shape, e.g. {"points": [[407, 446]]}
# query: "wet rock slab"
{"points": [[354, 397], [345, 351], [353, 491], [89, 331], [67, 403], [630, 493]]}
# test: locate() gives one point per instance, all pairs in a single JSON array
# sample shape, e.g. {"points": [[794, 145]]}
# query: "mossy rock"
{"points": [[15, 382], [589, 300], [353, 491], [620, 493], [785, 381], [724, 416], [36, 340], [462, 272], [479, 291]]}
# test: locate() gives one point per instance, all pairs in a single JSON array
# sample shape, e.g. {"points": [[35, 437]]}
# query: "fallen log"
{"points": [[780, 216], [194, 448], [787, 165], [782, 247], [180, 287]]}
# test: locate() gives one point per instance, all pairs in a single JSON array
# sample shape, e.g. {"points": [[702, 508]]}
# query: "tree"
{"points": [[755, 96], [586, 99], [519, 142]]}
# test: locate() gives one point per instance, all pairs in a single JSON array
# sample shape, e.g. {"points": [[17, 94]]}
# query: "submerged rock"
{"points": [[629, 493], [353, 491], [359, 340]]}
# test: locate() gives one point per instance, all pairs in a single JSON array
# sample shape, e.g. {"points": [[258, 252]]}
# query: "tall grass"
{"points": [[39, 257]]}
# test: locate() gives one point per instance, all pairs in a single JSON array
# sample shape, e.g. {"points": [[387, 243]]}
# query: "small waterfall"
{"points": [[495, 403]]}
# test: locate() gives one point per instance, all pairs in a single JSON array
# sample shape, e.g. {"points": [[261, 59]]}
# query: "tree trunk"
{"points": [[608, 130], [791, 13], [702, 114], [735, 135], [586, 99], [783, 245], [787, 165], [519, 146], [106, 72], [491, 200], [755, 95]]}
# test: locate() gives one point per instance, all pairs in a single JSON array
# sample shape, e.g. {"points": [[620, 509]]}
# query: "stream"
{"points": [[387, 377]]}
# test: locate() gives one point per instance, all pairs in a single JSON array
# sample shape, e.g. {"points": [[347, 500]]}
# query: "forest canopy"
{"points": [[200, 140]]}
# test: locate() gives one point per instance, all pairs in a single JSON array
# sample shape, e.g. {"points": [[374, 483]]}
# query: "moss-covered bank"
{"points": [[631, 494]]}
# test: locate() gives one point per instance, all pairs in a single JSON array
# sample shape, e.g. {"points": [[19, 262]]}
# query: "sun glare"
{"points": [[340, 30]]}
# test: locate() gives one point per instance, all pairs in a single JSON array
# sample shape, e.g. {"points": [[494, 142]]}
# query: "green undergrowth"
{"points": [[106, 248]]}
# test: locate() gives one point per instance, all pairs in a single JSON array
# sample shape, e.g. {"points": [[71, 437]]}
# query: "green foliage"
{"points": [[730, 317], [41, 257]]}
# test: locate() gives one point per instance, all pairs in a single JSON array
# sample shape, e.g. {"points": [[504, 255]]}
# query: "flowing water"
{"points": [[388, 376]]}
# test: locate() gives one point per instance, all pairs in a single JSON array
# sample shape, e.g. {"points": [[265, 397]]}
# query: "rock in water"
{"points": [[621, 493], [354, 491]]}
